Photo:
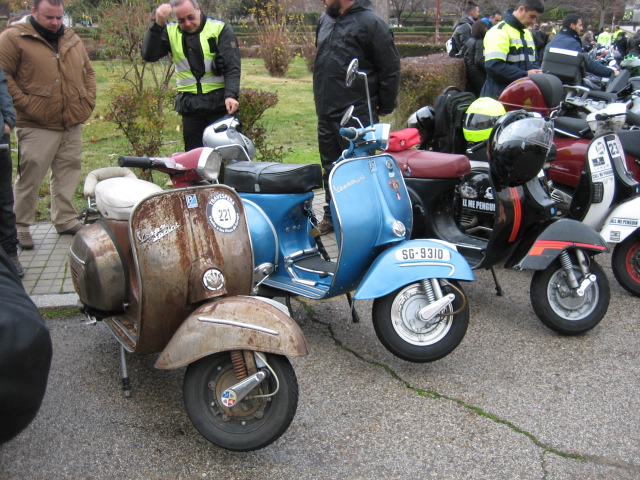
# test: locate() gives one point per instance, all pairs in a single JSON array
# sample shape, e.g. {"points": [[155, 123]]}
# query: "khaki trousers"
{"points": [[41, 150]]}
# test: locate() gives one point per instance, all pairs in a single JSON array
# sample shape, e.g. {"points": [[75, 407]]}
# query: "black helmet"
{"points": [[518, 147], [424, 121]]}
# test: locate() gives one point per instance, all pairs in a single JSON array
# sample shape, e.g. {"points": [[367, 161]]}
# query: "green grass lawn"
{"points": [[291, 123]]}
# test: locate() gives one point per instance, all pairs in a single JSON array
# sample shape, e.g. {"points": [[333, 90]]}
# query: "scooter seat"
{"points": [[272, 177], [572, 127], [116, 197], [428, 164]]}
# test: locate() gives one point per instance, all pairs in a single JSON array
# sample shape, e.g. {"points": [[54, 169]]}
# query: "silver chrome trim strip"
{"points": [[238, 324]]}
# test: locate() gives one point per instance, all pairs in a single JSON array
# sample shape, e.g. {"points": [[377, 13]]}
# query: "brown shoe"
{"points": [[25, 241], [325, 226], [73, 230], [17, 264]]}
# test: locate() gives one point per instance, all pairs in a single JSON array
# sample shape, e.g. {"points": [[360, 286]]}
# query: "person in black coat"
{"points": [[569, 39], [25, 354], [474, 58]]}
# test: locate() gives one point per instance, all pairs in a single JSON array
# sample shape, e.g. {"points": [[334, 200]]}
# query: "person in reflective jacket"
{"points": [[207, 61], [509, 49]]}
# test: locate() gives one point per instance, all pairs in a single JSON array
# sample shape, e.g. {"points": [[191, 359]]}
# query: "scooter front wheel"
{"points": [[557, 306], [404, 333], [625, 262], [250, 424]]}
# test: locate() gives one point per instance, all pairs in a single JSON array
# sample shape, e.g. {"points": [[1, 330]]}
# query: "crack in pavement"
{"points": [[628, 466]]}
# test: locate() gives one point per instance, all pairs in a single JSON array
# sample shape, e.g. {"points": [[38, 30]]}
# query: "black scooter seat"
{"points": [[572, 127], [272, 177], [428, 164]]}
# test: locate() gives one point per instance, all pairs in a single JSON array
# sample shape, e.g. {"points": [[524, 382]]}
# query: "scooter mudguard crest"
{"points": [[233, 323], [551, 241], [410, 262], [622, 221]]}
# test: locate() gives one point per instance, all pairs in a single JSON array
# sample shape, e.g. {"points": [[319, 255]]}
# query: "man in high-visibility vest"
{"points": [[207, 61], [509, 49]]}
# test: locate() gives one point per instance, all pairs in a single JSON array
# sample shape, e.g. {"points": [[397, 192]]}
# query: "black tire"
{"points": [[625, 262], [394, 320], [569, 315], [250, 424]]}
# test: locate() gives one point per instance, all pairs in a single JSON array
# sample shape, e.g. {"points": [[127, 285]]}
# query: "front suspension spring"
{"points": [[428, 290], [567, 266], [239, 365]]}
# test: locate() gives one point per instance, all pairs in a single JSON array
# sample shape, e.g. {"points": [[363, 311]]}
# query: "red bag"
{"points": [[403, 139]]}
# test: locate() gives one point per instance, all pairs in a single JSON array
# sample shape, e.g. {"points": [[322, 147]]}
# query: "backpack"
{"points": [[450, 108], [452, 48]]}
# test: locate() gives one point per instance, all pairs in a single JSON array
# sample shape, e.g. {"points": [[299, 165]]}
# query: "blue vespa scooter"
{"points": [[420, 312]]}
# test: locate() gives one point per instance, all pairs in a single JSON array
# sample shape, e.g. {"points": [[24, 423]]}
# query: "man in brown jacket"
{"points": [[53, 87]]}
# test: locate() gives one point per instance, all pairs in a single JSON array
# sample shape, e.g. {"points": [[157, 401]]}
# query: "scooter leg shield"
{"points": [[233, 323], [623, 221]]}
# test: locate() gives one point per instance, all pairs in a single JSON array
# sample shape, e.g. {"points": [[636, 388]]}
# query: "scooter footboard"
{"points": [[410, 262], [233, 323], [548, 242]]}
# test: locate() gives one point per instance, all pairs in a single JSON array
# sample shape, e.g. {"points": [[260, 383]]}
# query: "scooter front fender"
{"points": [[622, 221], [233, 323], [551, 240], [412, 261]]}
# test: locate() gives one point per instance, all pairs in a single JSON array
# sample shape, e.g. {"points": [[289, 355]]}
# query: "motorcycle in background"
{"points": [[569, 291], [171, 272]]}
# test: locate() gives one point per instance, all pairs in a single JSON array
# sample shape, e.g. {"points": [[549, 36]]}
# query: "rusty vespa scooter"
{"points": [[171, 272]]}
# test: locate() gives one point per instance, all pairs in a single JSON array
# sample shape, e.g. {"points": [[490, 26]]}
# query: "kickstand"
{"points": [[126, 386], [355, 318], [495, 279]]}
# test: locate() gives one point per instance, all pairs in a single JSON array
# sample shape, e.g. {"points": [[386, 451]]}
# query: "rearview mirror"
{"points": [[352, 72]]}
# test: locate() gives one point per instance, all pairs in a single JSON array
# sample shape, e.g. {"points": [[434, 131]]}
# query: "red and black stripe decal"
{"points": [[517, 214], [542, 245]]}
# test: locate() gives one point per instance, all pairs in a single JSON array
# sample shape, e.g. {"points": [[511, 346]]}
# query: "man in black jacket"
{"points": [[462, 28], [569, 39], [207, 60], [350, 29]]}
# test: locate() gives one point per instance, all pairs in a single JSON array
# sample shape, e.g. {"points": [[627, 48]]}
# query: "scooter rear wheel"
{"points": [[250, 424], [562, 312], [625, 262], [404, 334]]}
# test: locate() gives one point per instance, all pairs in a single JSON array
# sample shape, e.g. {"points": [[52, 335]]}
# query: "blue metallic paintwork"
{"points": [[369, 195], [388, 273]]}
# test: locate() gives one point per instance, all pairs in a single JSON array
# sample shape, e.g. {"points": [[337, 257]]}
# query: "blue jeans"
{"points": [[8, 235]]}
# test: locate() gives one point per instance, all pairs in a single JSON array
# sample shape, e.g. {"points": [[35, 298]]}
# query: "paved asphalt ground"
{"points": [[513, 401]]}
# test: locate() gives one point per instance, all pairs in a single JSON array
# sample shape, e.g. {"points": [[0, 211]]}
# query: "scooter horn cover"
{"points": [[518, 147]]}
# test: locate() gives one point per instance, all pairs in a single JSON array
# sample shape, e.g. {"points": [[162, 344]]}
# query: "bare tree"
{"points": [[407, 7]]}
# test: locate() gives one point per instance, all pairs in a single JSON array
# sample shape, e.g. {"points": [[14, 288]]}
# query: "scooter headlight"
{"points": [[399, 230], [213, 279], [209, 164]]}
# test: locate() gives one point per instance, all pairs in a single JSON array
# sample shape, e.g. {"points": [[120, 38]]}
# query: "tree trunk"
{"points": [[381, 7]]}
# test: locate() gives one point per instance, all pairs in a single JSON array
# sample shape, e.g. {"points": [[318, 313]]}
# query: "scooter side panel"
{"points": [[411, 262], [623, 221], [369, 195], [548, 241], [177, 236], [233, 323], [278, 218]]}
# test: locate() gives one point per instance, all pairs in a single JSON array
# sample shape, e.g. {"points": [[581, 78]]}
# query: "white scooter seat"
{"points": [[116, 197]]}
